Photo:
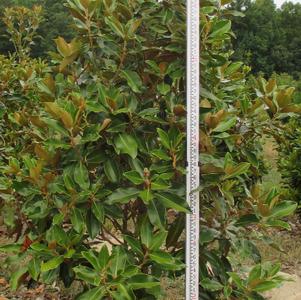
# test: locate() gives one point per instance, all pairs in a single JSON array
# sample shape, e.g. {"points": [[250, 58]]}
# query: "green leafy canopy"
{"points": [[93, 160]]}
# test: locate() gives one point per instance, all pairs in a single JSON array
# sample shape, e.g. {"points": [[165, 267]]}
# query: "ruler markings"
{"points": [[192, 180]]}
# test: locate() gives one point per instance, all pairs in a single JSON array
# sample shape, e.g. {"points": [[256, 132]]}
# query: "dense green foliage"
{"points": [[288, 145], [93, 155], [289, 160], [268, 38], [286, 80]]}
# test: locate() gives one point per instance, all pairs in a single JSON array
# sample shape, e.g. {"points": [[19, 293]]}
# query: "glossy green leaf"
{"points": [[146, 196], [220, 28], [118, 261], [143, 281], [283, 209], [88, 275], [225, 125], [160, 153], [93, 294], [52, 263], [238, 170], [133, 80], [255, 274], [122, 195], [175, 230], [158, 240], [59, 235], [134, 244], [34, 268], [146, 233], [111, 170], [103, 256], [211, 285], [166, 260], [98, 211], [81, 176], [115, 25], [123, 293], [125, 143], [164, 138], [159, 184], [10, 248], [173, 201], [207, 235], [163, 88], [16, 277], [77, 220], [58, 219], [157, 213], [266, 286], [278, 224], [237, 280], [92, 259], [134, 177], [93, 225], [247, 220]]}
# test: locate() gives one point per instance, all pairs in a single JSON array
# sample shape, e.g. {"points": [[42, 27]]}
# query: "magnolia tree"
{"points": [[95, 190]]}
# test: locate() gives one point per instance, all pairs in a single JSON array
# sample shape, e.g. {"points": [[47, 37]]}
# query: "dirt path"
{"points": [[288, 291], [289, 241]]}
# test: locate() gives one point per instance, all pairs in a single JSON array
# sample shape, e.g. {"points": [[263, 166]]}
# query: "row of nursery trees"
{"points": [[92, 156], [268, 37]]}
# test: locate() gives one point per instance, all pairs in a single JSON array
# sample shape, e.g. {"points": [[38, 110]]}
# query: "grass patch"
{"points": [[273, 177]]}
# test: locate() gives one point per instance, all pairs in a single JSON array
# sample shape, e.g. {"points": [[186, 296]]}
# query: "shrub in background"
{"points": [[18, 97], [287, 80], [289, 160], [22, 24], [288, 145], [98, 186], [56, 21]]}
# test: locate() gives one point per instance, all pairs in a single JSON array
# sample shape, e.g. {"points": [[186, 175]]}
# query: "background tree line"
{"points": [[267, 38]]}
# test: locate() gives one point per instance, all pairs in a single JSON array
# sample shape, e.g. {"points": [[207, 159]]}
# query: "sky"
{"points": [[280, 2]]}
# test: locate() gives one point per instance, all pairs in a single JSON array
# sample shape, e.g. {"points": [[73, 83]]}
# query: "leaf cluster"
{"points": [[95, 191]]}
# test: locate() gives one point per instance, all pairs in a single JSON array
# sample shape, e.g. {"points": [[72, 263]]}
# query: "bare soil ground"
{"points": [[291, 262], [289, 241], [289, 291]]}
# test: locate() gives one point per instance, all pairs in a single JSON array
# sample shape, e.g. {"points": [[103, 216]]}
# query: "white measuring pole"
{"points": [[193, 176]]}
